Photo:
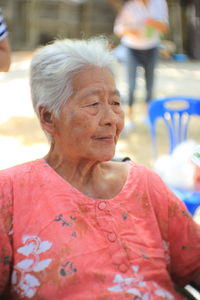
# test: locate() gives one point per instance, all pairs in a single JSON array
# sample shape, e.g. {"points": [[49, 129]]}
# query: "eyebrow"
{"points": [[116, 92], [98, 91]]}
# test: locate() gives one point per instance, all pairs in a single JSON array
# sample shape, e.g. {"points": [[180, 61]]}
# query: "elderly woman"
{"points": [[75, 224]]}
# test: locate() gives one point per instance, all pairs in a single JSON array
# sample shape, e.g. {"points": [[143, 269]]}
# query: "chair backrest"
{"points": [[176, 112]]}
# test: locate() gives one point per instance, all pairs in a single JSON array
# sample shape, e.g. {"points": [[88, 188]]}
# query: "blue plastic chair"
{"points": [[176, 113]]}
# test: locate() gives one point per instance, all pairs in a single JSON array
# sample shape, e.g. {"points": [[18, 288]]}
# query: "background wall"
{"points": [[34, 22]]}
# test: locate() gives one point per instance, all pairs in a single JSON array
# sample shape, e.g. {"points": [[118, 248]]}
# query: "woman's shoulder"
{"points": [[128, 177], [129, 172], [20, 169]]}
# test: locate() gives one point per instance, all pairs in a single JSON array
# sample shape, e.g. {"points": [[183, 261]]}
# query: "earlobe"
{"points": [[46, 120]]}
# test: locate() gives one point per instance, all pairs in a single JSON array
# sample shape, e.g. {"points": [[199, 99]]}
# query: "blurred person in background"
{"points": [[5, 52], [75, 224], [140, 23]]}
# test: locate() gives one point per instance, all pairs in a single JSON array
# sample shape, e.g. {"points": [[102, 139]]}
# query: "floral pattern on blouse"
{"points": [[138, 287], [23, 280]]}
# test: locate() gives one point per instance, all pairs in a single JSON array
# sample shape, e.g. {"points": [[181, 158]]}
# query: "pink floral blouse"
{"points": [[57, 243]]}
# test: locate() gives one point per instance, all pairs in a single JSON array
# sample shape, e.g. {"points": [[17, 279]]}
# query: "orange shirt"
{"points": [[61, 244]]}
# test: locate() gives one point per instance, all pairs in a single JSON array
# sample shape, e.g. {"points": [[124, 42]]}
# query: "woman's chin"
{"points": [[106, 157], [101, 155]]}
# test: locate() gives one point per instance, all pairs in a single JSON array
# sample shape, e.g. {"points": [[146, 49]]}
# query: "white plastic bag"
{"points": [[178, 169]]}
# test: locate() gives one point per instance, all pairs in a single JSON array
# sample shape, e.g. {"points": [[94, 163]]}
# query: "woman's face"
{"points": [[92, 119]]}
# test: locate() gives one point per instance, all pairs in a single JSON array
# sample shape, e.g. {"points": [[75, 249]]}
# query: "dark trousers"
{"points": [[147, 59]]}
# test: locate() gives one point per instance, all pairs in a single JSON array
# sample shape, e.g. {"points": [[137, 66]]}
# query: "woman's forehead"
{"points": [[93, 76]]}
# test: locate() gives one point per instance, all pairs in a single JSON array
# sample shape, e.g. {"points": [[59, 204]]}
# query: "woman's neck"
{"points": [[75, 172], [102, 180]]}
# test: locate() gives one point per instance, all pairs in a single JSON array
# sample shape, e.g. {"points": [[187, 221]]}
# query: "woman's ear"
{"points": [[47, 120]]}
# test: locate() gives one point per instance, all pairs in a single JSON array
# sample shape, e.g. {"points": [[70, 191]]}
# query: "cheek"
{"points": [[121, 120], [82, 126]]}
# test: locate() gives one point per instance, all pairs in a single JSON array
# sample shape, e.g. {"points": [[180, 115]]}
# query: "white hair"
{"points": [[54, 66]]}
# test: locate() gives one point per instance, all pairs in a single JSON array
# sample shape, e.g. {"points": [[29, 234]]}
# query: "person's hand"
{"points": [[5, 55], [134, 33], [158, 25]]}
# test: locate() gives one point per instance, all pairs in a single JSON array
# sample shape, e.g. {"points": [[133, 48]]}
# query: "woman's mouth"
{"points": [[109, 138]]}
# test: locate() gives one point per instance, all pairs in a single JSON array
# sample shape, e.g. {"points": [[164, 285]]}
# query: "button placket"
{"points": [[106, 224], [104, 219]]}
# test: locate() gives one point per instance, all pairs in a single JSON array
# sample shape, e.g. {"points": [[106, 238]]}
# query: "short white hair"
{"points": [[54, 66]]}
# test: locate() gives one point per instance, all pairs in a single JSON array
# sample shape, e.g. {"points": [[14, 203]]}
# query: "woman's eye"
{"points": [[94, 104], [116, 103]]}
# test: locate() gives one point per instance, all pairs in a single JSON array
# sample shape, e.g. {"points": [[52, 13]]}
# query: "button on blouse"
{"points": [[102, 205], [112, 237]]}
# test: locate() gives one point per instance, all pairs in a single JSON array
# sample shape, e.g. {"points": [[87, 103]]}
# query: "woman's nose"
{"points": [[109, 116]]}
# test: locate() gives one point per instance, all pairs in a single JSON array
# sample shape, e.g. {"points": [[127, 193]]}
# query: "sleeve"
{"points": [[180, 231], [119, 23], [162, 11], [5, 234], [3, 27], [124, 19], [184, 241]]}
